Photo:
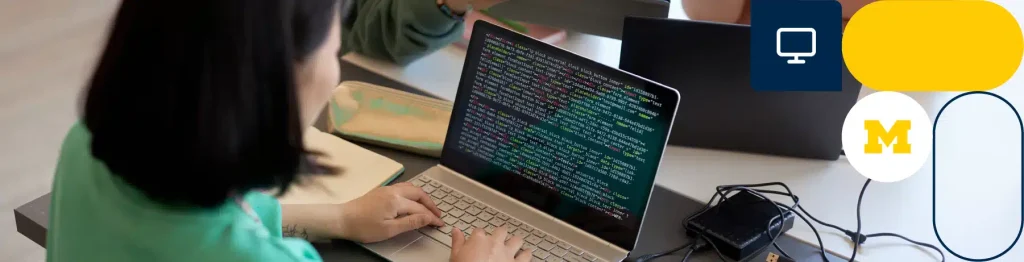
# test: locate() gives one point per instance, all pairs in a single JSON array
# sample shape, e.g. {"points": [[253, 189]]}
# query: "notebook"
{"points": [[360, 170], [390, 118]]}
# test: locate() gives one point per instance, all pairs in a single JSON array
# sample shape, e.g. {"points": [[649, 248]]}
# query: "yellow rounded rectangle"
{"points": [[937, 45]]}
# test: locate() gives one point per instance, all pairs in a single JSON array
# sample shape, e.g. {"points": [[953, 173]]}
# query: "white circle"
{"points": [[885, 109]]}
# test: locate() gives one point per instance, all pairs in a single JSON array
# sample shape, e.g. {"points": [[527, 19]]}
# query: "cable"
{"points": [[856, 236], [768, 228], [796, 201], [687, 256], [723, 192], [821, 244], [691, 246], [858, 240], [650, 257], [933, 247], [789, 192], [715, 247]]}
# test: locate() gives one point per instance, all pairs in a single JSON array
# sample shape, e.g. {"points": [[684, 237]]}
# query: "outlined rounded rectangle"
{"points": [[935, 148]]}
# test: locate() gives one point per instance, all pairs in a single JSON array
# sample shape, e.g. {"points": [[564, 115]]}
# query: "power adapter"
{"points": [[737, 227]]}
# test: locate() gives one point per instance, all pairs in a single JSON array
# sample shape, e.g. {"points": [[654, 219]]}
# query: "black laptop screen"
{"points": [[566, 135]]}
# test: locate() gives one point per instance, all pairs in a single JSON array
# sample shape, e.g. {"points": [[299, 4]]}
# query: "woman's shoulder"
{"points": [[75, 156], [76, 140], [110, 213]]}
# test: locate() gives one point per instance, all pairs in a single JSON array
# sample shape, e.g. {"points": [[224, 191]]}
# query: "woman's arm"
{"points": [[404, 30], [311, 222], [398, 30], [378, 215]]}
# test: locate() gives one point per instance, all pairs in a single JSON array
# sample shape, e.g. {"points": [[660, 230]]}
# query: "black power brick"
{"points": [[738, 226]]}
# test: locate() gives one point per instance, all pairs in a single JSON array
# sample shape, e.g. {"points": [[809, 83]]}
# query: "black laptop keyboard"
{"points": [[468, 214]]}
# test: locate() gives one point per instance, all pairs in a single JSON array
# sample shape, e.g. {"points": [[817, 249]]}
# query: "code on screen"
{"points": [[560, 125]]}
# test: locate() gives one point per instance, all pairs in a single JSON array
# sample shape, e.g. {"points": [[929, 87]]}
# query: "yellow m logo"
{"points": [[878, 135]]}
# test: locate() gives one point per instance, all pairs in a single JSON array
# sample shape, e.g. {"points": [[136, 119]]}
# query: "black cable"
{"points": [[858, 240], [856, 236], [768, 229], [789, 192], [817, 235], [722, 194], [933, 247], [691, 246], [715, 247], [702, 210], [796, 203], [821, 244], [687, 256], [650, 257], [816, 220]]}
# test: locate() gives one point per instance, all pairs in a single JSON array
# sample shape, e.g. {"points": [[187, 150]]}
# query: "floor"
{"points": [[47, 49]]}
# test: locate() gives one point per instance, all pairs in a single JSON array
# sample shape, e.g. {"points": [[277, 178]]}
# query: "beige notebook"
{"points": [[361, 170], [387, 117]]}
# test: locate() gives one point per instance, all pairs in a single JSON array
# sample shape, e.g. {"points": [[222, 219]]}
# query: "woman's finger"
{"points": [[499, 234], [457, 240], [408, 223], [408, 208], [415, 193], [524, 255], [477, 233], [513, 244]]}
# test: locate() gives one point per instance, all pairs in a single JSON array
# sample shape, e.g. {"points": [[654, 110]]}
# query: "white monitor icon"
{"points": [[800, 53]]}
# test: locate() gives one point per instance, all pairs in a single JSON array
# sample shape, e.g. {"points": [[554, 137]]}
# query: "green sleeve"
{"points": [[398, 30]]}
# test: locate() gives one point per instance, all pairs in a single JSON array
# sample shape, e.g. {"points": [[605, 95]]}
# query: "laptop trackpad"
{"points": [[391, 246], [424, 249]]}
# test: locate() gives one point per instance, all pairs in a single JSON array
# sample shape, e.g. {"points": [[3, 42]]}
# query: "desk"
{"points": [[979, 182], [828, 189], [662, 227]]}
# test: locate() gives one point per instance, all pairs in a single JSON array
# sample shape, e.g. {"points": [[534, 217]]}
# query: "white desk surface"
{"points": [[979, 183]]}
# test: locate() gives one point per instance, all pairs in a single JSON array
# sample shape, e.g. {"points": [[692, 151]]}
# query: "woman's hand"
{"points": [[387, 211], [488, 248]]}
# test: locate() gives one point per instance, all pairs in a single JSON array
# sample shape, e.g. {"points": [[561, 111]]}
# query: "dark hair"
{"points": [[195, 101]]}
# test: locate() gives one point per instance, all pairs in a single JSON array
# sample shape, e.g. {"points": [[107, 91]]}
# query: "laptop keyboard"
{"points": [[467, 214]]}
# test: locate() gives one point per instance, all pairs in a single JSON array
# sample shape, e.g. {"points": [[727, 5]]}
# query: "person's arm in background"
{"points": [[402, 31], [738, 11]]}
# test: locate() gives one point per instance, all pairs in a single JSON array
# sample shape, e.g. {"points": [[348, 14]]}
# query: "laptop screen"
{"points": [[571, 137], [709, 63]]}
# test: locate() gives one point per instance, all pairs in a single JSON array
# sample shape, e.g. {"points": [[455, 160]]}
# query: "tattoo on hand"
{"points": [[295, 231]]}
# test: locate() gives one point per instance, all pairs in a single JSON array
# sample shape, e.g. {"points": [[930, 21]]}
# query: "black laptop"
{"points": [[709, 64]]}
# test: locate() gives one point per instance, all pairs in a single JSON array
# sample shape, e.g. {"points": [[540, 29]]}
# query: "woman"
{"points": [[402, 31], [738, 11], [195, 108]]}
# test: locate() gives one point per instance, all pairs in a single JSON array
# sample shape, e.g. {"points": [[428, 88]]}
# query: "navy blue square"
{"points": [[796, 45]]}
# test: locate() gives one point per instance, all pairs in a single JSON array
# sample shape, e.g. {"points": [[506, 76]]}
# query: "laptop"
{"points": [[560, 149], [709, 64]]}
